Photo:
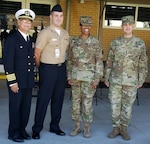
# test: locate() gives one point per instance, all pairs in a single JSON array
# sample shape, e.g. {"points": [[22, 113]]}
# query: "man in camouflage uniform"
{"points": [[126, 70], [85, 68]]}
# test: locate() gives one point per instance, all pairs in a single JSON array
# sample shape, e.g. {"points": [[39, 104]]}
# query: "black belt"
{"points": [[59, 64]]}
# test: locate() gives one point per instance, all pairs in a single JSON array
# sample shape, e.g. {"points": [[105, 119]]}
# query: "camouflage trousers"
{"points": [[82, 98], [121, 98]]}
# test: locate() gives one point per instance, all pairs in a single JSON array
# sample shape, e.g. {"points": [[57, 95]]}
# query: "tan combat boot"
{"points": [[115, 132], [86, 131], [76, 129], [124, 133]]}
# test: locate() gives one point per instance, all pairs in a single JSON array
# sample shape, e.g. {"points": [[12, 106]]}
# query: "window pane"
{"points": [[114, 13], [143, 20], [40, 9], [8, 7]]}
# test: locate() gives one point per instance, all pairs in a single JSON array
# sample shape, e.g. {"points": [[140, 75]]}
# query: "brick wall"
{"points": [[77, 9]]}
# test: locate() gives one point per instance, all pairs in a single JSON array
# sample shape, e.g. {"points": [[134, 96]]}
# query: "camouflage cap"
{"points": [[127, 19], [85, 20]]}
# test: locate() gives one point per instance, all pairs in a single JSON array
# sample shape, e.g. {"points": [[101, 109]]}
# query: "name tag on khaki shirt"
{"points": [[57, 53]]}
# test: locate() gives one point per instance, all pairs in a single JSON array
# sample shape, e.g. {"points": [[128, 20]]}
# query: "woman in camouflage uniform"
{"points": [[85, 68]]}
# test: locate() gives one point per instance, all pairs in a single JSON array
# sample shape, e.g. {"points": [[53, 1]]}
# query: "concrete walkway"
{"points": [[139, 129]]}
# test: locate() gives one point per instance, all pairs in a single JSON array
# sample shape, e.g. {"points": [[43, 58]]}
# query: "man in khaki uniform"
{"points": [[50, 51], [84, 70], [126, 70]]}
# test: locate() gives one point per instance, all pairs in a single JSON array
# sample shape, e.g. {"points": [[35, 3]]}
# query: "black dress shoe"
{"points": [[36, 135], [58, 132], [16, 138], [25, 136]]}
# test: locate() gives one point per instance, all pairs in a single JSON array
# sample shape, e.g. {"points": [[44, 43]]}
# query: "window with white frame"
{"points": [[143, 18], [114, 12]]}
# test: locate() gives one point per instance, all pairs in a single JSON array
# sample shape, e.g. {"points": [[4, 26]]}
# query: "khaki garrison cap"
{"points": [[127, 19], [25, 14], [85, 20]]}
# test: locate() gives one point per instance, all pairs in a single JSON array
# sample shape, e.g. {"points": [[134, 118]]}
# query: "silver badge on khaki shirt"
{"points": [[54, 39]]}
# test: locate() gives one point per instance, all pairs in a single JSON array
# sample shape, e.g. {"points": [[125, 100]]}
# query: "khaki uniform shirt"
{"points": [[127, 62], [50, 43]]}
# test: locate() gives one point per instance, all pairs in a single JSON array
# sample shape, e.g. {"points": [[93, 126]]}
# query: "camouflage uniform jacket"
{"points": [[127, 62], [85, 60]]}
